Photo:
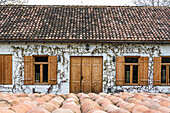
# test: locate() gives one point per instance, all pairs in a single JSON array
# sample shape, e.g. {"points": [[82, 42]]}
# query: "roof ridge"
{"points": [[86, 6]]}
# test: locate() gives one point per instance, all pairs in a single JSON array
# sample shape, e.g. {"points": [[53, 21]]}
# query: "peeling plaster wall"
{"points": [[65, 50]]}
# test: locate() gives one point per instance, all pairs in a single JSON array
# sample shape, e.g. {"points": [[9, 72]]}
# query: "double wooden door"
{"points": [[86, 74]]}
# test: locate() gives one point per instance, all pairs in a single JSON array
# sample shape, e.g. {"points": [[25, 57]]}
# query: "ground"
{"points": [[123, 102]]}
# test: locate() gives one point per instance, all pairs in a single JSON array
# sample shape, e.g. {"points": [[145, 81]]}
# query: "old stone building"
{"points": [[62, 49]]}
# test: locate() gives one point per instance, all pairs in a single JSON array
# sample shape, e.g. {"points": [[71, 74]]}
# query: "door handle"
{"points": [[82, 77]]}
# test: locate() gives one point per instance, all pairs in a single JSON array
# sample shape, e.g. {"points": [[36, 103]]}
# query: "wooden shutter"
{"points": [[86, 74], [28, 70], [52, 77], [7, 69], [157, 71], [120, 70], [143, 70], [75, 71], [1, 69], [97, 74]]}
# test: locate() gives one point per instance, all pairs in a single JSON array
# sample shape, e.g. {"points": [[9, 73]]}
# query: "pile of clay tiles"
{"points": [[85, 103]]}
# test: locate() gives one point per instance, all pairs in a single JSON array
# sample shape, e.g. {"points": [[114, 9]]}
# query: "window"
{"points": [[132, 70], [165, 71], [161, 71], [40, 70], [5, 69]]}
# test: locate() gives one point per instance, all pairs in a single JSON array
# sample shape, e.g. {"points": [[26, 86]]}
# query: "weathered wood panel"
{"points": [[75, 72], [7, 69], [143, 71], [97, 74], [120, 70], [86, 75], [28, 70], [52, 76], [157, 71]]}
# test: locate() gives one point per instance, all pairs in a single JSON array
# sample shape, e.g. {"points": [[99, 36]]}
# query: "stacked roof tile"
{"points": [[84, 23]]}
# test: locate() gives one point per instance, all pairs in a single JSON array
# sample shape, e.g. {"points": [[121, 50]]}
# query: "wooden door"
{"points": [[86, 74], [75, 68], [97, 72]]}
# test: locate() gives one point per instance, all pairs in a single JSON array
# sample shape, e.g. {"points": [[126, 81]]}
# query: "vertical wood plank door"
{"points": [[75, 74], [86, 74], [97, 74]]}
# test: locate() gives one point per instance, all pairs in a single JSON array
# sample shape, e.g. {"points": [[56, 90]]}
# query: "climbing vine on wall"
{"points": [[65, 50]]}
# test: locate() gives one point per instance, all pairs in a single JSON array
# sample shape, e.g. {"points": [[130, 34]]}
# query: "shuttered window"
{"points": [[40, 70], [161, 73], [132, 70], [5, 69]]}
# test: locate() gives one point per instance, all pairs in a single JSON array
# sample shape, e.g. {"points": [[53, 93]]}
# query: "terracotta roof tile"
{"points": [[84, 23]]}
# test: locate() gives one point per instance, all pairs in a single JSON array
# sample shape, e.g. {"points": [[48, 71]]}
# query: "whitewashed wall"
{"points": [[65, 50]]}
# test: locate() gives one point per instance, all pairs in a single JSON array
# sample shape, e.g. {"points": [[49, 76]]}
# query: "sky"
{"points": [[80, 2]]}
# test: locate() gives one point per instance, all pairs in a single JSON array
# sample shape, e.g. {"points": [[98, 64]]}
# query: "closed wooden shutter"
{"points": [[157, 71], [75, 74], [120, 70], [52, 70], [1, 69], [7, 69], [143, 71], [28, 70]]}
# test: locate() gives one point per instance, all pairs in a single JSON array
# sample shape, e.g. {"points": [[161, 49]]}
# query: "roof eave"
{"points": [[89, 41]]}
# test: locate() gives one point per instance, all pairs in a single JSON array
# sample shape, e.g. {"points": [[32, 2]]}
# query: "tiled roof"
{"points": [[84, 23]]}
